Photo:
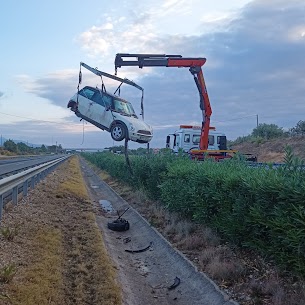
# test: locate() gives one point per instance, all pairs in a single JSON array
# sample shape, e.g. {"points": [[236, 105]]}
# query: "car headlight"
{"points": [[131, 127]]}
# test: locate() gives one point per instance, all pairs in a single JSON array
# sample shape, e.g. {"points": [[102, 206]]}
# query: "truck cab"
{"points": [[187, 137]]}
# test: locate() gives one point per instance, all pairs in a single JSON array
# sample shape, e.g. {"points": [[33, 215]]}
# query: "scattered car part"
{"points": [[175, 284], [127, 240], [119, 225], [140, 250]]}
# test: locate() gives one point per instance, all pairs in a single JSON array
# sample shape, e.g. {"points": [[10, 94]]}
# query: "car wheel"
{"points": [[118, 131], [119, 225]]}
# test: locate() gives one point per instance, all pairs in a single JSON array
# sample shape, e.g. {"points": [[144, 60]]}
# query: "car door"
{"points": [[84, 100], [101, 108]]}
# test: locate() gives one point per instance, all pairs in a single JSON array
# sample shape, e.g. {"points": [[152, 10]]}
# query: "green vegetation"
{"points": [[261, 133], [7, 273], [264, 132], [257, 208], [21, 148], [299, 129], [8, 233], [268, 131]]}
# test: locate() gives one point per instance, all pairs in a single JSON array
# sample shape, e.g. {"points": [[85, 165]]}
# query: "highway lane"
{"points": [[15, 165]]}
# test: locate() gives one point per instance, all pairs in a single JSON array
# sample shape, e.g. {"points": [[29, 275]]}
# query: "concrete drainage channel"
{"points": [[150, 270]]}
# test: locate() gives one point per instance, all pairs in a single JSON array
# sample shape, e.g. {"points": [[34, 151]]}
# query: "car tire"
{"points": [[118, 131], [119, 225]]}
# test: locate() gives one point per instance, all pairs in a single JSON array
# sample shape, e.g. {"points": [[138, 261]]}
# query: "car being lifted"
{"points": [[111, 113]]}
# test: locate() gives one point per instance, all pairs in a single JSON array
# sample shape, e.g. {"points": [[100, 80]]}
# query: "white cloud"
{"points": [[254, 66]]}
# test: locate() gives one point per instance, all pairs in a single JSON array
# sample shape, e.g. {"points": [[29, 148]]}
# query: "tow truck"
{"points": [[187, 138], [195, 68]]}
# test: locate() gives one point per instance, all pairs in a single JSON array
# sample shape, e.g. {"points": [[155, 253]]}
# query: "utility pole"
{"points": [[257, 120]]}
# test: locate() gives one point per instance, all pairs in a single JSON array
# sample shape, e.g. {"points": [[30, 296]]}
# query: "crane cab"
{"points": [[187, 138]]}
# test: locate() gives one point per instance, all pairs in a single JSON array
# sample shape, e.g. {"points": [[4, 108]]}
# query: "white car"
{"points": [[111, 113]]}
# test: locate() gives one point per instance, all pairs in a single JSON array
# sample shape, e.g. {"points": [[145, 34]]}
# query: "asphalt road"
{"points": [[14, 165]]}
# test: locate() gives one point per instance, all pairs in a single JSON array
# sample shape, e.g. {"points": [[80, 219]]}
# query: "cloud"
{"points": [[68, 134], [254, 66], [1, 94]]}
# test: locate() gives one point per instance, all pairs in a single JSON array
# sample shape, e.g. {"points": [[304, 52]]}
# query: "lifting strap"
{"points": [[103, 85], [79, 81], [127, 157]]}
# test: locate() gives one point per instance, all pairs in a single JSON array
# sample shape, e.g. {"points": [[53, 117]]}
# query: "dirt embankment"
{"points": [[273, 150]]}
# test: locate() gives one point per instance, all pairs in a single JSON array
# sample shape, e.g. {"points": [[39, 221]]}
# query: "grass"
{"points": [[90, 260], [7, 273], [66, 261], [8, 233], [42, 281], [75, 184]]}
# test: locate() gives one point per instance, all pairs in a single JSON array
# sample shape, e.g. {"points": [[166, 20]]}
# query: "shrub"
{"points": [[7, 273], [257, 208], [8, 233]]}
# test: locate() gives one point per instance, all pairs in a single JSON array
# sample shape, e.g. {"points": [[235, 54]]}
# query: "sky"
{"points": [[254, 50]]}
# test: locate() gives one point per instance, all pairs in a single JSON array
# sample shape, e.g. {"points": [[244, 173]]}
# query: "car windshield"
{"points": [[124, 108]]}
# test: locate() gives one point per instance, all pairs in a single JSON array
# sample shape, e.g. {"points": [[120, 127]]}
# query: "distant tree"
{"points": [[268, 131], [43, 148], [23, 148], [117, 149], [299, 129], [52, 148], [10, 146], [141, 151]]}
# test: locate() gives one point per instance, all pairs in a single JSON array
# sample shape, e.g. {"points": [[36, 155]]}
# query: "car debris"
{"points": [[175, 284], [120, 224], [140, 250]]}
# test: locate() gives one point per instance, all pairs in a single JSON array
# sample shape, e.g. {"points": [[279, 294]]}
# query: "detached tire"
{"points": [[118, 131], [119, 225]]}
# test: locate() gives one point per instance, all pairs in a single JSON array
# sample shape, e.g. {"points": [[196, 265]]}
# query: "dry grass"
{"points": [[42, 281], [60, 256], [74, 184], [224, 269]]}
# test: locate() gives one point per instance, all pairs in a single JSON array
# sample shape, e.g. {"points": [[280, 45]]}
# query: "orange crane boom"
{"points": [[194, 65]]}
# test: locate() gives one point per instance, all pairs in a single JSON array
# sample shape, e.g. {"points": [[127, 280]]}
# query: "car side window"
{"points": [[87, 92], [187, 138], [97, 98], [107, 101]]}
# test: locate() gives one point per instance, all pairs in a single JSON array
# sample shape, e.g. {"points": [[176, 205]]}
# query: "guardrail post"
{"points": [[25, 188], [1, 206], [15, 195], [33, 182]]}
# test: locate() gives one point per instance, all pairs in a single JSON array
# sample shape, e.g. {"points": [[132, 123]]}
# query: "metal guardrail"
{"points": [[32, 176]]}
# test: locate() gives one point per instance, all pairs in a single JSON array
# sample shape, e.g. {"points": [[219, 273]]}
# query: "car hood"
{"points": [[137, 124]]}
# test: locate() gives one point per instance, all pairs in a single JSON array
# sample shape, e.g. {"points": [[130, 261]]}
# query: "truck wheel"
{"points": [[118, 131]]}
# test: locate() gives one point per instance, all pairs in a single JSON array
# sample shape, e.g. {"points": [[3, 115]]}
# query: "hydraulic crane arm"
{"points": [[163, 60]]}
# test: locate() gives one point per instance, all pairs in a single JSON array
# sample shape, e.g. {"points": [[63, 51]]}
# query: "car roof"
{"points": [[107, 93]]}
